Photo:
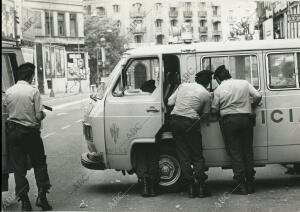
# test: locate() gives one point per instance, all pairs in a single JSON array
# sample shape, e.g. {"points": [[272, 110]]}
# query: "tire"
{"points": [[170, 170], [297, 168]]}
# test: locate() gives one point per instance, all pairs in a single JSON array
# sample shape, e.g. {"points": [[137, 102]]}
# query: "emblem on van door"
{"points": [[114, 131]]}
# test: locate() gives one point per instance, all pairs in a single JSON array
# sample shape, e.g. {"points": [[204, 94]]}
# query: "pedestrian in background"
{"points": [[192, 102], [25, 113], [232, 99]]}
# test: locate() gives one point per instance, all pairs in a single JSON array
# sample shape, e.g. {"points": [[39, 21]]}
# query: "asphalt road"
{"points": [[74, 186]]}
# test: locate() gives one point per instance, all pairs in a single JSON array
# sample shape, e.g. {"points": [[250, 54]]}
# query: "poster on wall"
{"points": [[76, 66], [60, 69]]}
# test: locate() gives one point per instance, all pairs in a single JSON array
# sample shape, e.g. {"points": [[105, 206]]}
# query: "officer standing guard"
{"points": [[191, 101], [25, 112], [232, 100]]}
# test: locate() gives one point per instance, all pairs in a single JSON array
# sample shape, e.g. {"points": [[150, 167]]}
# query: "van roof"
{"points": [[217, 46]]}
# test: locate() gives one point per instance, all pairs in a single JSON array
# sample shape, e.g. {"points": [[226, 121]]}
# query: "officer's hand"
{"points": [[44, 114]]}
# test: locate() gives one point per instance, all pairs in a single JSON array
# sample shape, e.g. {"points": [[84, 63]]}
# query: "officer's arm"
{"points": [[38, 106], [255, 95], [172, 98], [206, 111], [215, 105]]}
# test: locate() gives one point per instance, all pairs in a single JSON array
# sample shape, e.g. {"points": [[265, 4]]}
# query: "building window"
{"points": [[187, 5], [88, 9], [173, 23], [158, 6], [202, 23], [61, 24], [73, 26], [217, 38], [100, 11], [49, 23], [116, 8], [158, 23], [215, 10], [203, 38], [138, 39], [173, 9], [137, 6], [216, 27], [118, 23], [159, 39]]}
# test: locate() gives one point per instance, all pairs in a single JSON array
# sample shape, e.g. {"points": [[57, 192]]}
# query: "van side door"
{"points": [[133, 110], [283, 105], [242, 65]]}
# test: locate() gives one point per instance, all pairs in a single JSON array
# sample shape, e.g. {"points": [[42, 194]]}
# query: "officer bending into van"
{"points": [[192, 102], [232, 100], [25, 112]]}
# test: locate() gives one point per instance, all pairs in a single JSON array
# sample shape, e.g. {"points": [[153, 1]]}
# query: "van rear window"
{"points": [[282, 70]]}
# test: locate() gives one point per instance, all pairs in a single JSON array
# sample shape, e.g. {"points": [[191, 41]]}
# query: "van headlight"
{"points": [[87, 131]]}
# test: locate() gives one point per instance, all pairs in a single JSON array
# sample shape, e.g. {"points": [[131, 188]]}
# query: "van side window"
{"points": [[282, 70], [240, 66], [7, 72], [142, 76]]}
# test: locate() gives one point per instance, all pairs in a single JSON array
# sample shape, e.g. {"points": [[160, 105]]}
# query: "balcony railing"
{"points": [[202, 15], [158, 31], [139, 30], [216, 18], [173, 14], [216, 32], [137, 14], [187, 14], [203, 30]]}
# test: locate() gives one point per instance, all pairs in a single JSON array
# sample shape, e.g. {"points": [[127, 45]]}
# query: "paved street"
{"points": [[110, 190]]}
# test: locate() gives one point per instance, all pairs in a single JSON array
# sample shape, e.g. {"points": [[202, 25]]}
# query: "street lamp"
{"points": [[80, 89], [51, 68]]}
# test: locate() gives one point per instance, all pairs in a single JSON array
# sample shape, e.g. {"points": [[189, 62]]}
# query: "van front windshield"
{"points": [[106, 82]]}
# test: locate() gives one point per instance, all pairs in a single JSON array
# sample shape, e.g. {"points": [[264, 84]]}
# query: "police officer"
{"points": [[191, 101], [25, 112], [147, 169], [232, 100]]}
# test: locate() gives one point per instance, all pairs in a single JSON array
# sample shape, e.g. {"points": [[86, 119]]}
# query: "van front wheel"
{"points": [[170, 171]]}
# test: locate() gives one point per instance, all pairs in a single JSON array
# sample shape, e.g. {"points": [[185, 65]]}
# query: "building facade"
{"points": [[166, 21], [279, 19], [54, 31]]}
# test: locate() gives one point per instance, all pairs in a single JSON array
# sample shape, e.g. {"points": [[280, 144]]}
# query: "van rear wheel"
{"points": [[170, 171]]}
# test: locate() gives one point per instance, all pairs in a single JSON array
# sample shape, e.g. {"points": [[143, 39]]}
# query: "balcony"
{"points": [[203, 30], [158, 31], [202, 15], [173, 14], [187, 14], [217, 33], [139, 30], [137, 14], [216, 19]]}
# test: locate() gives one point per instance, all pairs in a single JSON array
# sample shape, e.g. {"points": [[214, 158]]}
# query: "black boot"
{"points": [[240, 187], [152, 188], [250, 186], [203, 191], [145, 192], [191, 190], [42, 201], [26, 206]]}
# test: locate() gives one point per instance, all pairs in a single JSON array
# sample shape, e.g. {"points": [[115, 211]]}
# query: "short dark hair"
{"points": [[222, 73], [26, 71], [204, 77]]}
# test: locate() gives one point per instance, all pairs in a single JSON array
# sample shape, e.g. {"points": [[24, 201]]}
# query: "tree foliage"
{"points": [[96, 28]]}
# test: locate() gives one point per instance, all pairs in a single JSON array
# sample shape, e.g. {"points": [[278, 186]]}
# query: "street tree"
{"points": [[95, 29]]}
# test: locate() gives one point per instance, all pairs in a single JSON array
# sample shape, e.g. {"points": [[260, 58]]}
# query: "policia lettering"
{"points": [[277, 116]]}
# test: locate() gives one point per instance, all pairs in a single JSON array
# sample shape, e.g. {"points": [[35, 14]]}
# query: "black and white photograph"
{"points": [[150, 105]]}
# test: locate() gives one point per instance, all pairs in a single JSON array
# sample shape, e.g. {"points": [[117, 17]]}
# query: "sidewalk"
{"points": [[46, 97]]}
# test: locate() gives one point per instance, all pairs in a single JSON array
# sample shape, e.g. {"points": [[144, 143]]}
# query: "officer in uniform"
{"points": [[232, 100], [25, 112], [191, 101]]}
